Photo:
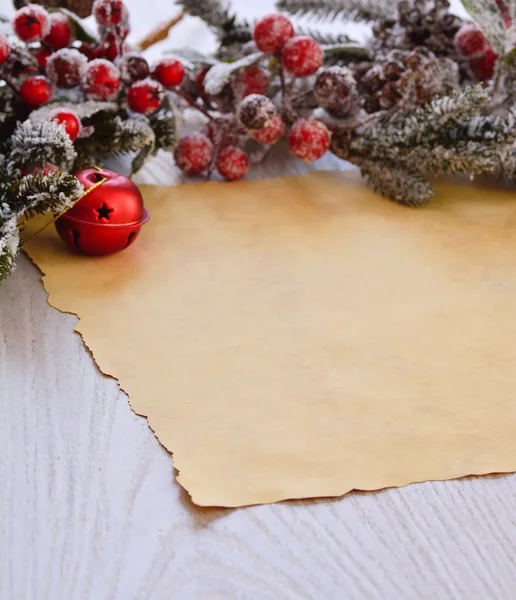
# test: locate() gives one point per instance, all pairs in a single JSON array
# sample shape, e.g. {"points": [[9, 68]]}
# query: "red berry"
{"points": [[170, 72], [233, 163], [470, 41], [253, 80], [272, 32], [5, 48], [309, 140], [270, 134], [36, 91], [194, 153], [109, 12], [65, 67], [302, 56], [145, 96], [70, 121], [60, 34], [42, 55], [31, 23], [483, 68], [101, 80]]}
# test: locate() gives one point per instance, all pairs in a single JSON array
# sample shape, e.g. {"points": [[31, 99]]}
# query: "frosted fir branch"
{"points": [[132, 135], [9, 244], [37, 144], [53, 192], [325, 37], [112, 137], [409, 128], [464, 157], [165, 125], [213, 12], [403, 186], [354, 10]]}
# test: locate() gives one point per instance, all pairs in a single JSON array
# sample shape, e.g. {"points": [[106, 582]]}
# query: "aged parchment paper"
{"points": [[304, 337]]}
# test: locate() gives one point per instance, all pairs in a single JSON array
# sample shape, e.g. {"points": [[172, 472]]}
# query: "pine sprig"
{"points": [[9, 242], [214, 13], [37, 144], [355, 10], [42, 193], [403, 186], [451, 135]]}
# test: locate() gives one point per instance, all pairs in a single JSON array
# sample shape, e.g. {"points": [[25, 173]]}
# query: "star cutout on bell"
{"points": [[104, 212]]}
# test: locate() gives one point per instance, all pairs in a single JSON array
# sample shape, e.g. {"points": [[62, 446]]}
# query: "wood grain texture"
{"points": [[89, 509]]}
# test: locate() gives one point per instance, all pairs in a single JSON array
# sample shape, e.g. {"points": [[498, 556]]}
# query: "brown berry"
{"points": [[256, 111]]}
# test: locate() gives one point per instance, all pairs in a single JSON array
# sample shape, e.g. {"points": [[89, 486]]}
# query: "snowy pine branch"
{"points": [[38, 144], [9, 242], [41, 193], [356, 10], [405, 187], [215, 13]]}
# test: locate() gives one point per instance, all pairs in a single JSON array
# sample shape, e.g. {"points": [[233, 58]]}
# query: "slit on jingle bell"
{"points": [[76, 235]]}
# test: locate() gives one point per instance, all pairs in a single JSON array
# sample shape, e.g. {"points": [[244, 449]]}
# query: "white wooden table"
{"points": [[89, 509]]}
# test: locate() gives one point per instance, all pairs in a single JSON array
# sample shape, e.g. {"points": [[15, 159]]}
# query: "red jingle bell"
{"points": [[108, 218]]}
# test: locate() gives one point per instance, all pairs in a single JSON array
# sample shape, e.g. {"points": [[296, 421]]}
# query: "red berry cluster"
{"points": [[54, 62], [255, 116], [473, 46]]}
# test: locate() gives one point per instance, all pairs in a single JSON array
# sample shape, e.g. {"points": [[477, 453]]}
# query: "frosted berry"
{"points": [[470, 41], [233, 163], [309, 140], [90, 51], [336, 91], [483, 68], [65, 67], [256, 111], [194, 153], [133, 67], [270, 134], [170, 72], [42, 55], [31, 23], [70, 121], [272, 32], [36, 91], [109, 12], [60, 34], [253, 80], [302, 56], [5, 48], [101, 80], [145, 96]]}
